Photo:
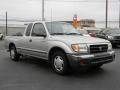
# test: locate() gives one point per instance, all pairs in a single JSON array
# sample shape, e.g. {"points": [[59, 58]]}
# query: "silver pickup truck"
{"points": [[61, 45]]}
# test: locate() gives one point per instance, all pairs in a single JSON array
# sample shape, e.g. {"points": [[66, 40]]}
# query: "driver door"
{"points": [[38, 41]]}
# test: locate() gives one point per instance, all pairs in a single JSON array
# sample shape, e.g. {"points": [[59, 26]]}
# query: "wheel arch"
{"points": [[54, 49], [11, 44]]}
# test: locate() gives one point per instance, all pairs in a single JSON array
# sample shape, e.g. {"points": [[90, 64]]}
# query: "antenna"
{"points": [[43, 18], [51, 20], [6, 24], [119, 13], [106, 14]]}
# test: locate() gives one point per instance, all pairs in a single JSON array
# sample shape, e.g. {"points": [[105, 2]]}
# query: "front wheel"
{"points": [[60, 63], [1, 38], [13, 54], [114, 45]]}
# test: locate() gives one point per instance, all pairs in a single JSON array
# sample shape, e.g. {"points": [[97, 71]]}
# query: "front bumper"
{"points": [[77, 60], [115, 41]]}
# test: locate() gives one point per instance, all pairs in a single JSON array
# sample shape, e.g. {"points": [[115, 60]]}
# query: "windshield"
{"points": [[82, 31], [93, 31], [114, 31], [56, 28]]}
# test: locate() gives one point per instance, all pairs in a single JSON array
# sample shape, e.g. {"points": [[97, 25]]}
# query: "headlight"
{"points": [[110, 37], [79, 48], [109, 46], [75, 47]]}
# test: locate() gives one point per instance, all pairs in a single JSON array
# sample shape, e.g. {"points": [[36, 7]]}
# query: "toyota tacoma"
{"points": [[61, 45]]}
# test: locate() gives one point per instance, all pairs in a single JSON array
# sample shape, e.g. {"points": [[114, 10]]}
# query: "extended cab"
{"points": [[60, 44]]}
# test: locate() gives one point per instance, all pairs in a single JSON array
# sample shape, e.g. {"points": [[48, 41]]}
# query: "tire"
{"points": [[13, 53], [60, 63], [2, 38], [114, 45]]}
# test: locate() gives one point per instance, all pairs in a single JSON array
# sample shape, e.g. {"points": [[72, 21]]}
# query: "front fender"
{"points": [[64, 46]]}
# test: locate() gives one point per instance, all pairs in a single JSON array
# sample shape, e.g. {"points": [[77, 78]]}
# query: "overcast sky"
{"points": [[60, 9]]}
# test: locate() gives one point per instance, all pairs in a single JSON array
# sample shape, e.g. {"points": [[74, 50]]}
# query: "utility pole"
{"points": [[106, 25], [119, 13], [6, 25], [42, 10]]}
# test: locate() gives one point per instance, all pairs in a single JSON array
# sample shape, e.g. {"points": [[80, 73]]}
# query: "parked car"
{"points": [[92, 31], [1, 36], [61, 45], [83, 32], [113, 35]]}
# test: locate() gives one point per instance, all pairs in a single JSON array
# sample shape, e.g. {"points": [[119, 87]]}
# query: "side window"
{"points": [[101, 32], [106, 31], [38, 30], [28, 29]]}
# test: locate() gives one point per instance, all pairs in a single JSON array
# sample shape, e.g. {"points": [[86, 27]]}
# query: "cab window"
{"points": [[38, 30], [28, 29]]}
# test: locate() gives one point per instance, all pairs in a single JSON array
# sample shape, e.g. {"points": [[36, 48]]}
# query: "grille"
{"points": [[102, 59], [98, 48]]}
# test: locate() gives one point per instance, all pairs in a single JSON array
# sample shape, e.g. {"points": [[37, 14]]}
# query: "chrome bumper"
{"points": [[92, 56]]}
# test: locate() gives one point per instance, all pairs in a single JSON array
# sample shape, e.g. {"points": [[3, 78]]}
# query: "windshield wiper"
{"points": [[58, 33], [65, 34], [72, 34]]}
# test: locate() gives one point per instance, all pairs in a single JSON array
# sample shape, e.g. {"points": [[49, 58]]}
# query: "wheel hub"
{"points": [[58, 63], [12, 54]]}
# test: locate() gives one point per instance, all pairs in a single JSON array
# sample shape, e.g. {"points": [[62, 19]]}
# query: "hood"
{"points": [[114, 34], [79, 39], [86, 35]]}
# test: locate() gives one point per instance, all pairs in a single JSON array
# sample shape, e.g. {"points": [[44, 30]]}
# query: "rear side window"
{"points": [[28, 29]]}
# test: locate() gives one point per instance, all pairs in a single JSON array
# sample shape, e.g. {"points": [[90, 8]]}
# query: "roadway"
{"points": [[33, 74]]}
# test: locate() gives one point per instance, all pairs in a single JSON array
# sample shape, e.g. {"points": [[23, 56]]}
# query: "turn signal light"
{"points": [[82, 62]]}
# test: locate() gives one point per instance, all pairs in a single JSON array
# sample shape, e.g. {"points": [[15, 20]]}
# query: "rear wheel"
{"points": [[60, 63], [13, 53]]}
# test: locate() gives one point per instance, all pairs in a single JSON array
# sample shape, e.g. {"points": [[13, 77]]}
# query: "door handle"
{"points": [[30, 40]]}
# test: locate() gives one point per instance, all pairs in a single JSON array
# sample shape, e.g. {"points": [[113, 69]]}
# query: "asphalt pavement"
{"points": [[34, 74]]}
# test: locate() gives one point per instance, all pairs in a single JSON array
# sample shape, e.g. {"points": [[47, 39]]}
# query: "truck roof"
{"points": [[42, 22]]}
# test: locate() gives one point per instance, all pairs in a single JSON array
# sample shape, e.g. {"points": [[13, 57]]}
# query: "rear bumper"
{"points": [[90, 59]]}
